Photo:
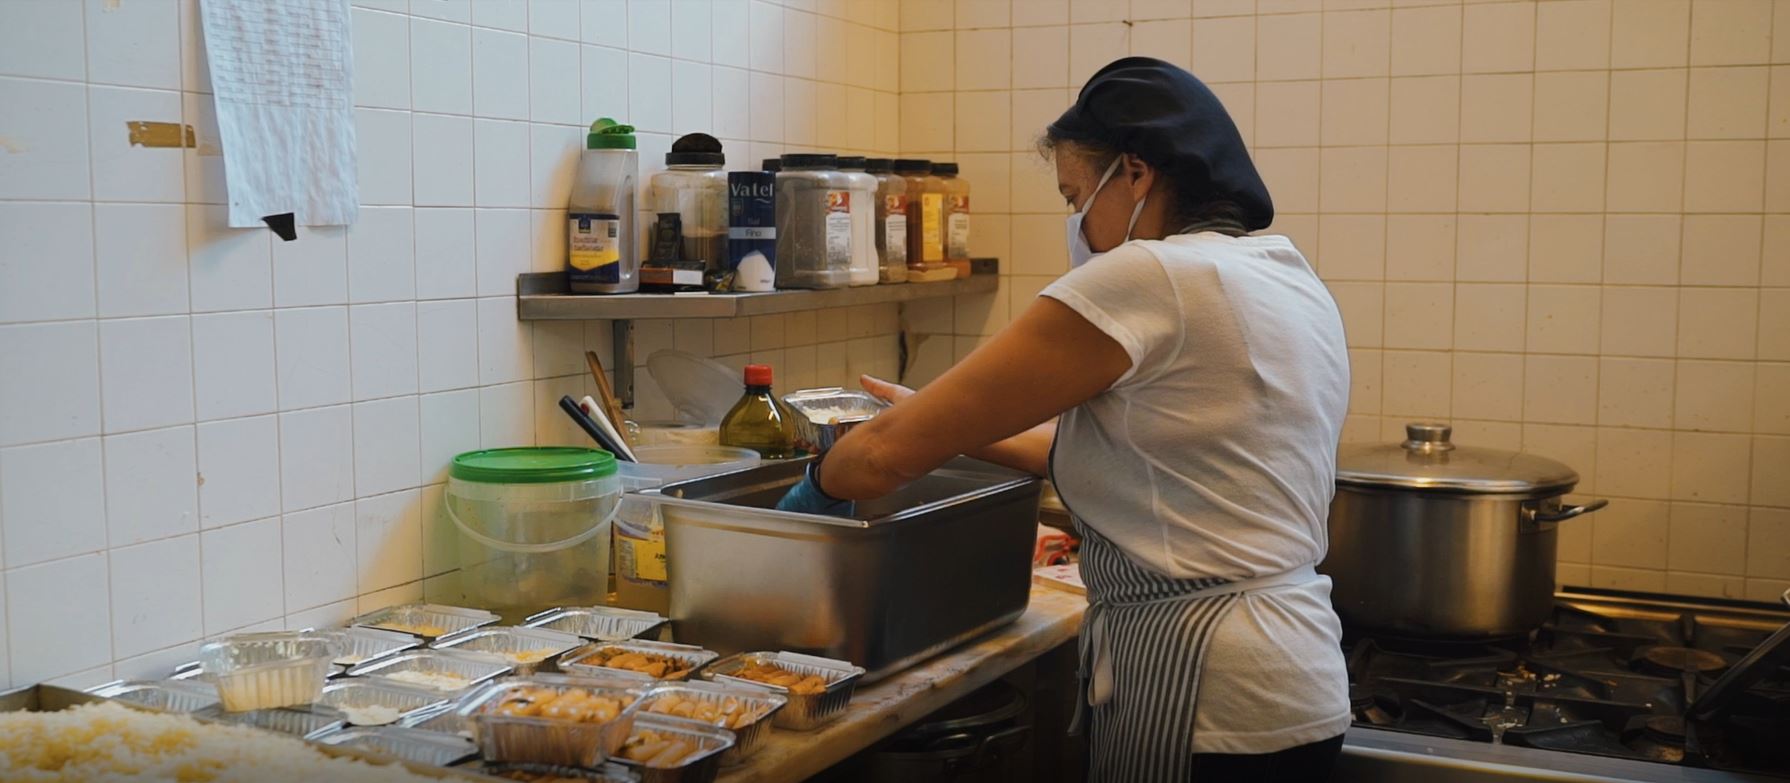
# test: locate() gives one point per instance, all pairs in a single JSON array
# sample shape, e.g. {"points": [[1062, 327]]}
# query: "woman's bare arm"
{"points": [[1047, 361], [1028, 451]]}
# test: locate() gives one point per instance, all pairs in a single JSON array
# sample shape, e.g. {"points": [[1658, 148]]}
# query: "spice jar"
{"points": [[865, 268], [925, 221], [957, 218], [813, 223], [891, 220], [689, 202]]}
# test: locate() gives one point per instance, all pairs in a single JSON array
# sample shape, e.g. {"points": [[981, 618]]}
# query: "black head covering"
{"points": [[1164, 115]]}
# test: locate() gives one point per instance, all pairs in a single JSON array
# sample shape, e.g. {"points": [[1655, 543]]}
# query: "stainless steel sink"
{"points": [[912, 574]]}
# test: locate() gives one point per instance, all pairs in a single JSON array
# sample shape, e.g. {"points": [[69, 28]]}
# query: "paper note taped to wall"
{"points": [[282, 73]]}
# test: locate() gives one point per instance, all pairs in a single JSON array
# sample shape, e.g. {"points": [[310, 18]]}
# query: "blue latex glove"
{"points": [[807, 497]]}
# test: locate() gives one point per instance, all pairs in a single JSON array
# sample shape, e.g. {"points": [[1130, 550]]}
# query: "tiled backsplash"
{"points": [[1561, 225], [208, 429]]}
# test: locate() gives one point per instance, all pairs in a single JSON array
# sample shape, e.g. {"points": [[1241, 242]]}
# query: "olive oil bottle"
{"points": [[759, 421]]}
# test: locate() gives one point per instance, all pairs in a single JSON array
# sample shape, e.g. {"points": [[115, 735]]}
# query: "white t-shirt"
{"points": [[1215, 456]]}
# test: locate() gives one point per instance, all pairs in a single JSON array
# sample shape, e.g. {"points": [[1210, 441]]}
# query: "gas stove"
{"points": [[1613, 686]]}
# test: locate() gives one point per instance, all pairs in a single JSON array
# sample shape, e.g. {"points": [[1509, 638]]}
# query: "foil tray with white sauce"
{"points": [[429, 621], [526, 650], [597, 623], [450, 672]]}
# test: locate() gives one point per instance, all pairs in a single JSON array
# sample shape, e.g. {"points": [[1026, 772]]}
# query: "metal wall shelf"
{"points": [[541, 296]]}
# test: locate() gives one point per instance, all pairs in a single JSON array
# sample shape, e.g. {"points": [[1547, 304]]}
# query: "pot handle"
{"points": [[1569, 512]]}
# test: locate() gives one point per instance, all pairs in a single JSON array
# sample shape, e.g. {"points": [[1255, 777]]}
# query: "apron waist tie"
{"points": [[1095, 656]]}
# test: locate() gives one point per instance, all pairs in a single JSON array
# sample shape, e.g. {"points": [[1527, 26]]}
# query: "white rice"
{"points": [[107, 742]]}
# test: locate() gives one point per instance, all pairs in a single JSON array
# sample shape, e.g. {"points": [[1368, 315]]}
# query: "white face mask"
{"points": [[1079, 252]]}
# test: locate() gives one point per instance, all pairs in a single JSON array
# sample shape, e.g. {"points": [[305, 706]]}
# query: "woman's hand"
{"points": [[891, 393]]}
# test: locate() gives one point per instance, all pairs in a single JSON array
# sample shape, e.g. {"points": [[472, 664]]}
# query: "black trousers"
{"points": [[1303, 764]]}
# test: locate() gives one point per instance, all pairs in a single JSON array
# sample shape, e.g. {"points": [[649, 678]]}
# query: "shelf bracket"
{"points": [[623, 343]]}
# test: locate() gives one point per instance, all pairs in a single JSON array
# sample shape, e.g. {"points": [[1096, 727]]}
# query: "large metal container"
{"points": [[942, 560], [1434, 540]]}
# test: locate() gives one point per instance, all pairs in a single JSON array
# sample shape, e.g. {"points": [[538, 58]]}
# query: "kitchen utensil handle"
{"points": [[590, 427], [1570, 511]]}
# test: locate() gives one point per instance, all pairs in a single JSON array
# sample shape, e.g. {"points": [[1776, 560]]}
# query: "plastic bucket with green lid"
{"points": [[534, 526]]}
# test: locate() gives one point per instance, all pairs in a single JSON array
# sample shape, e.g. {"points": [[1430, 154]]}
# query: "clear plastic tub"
{"points": [[534, 526], [266, 670]]}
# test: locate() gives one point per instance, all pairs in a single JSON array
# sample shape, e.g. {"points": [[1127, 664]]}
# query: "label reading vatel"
{"points": [[593, 247]]}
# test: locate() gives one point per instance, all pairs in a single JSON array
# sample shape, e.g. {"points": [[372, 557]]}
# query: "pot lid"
{"points": [[1428, 460]]}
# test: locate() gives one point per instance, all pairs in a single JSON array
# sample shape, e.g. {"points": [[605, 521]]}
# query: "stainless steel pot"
{"points": [[1436, 540]]}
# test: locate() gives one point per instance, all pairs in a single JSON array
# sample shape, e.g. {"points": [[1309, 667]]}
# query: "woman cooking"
{"points": [[1184, 386]]}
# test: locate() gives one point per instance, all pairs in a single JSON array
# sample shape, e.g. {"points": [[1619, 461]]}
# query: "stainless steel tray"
{"points": [[839, 410], [941, 561], [582, 661], [548, 740], [701, 766], [169, 695], [597, 623], [475, 669], [804, 711], [749, 735], [428, 621], [422, 747], [512, 645], [359, 692]]}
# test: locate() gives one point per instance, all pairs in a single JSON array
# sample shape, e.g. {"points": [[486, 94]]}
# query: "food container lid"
{"points": [[533, 465], [809, 160], [695, 149], [1428, 460]]}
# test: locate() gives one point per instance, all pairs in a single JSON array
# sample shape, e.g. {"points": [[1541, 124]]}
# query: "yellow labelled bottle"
{"points": [[602, 255], [925, 218], [759, 421]]}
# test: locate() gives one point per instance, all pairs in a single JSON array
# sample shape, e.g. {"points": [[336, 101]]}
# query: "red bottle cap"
{"points": [[758, 375]]}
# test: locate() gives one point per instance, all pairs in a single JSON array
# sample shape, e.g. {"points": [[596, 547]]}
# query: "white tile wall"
{"points": [[1562, 220], [272, 418]]}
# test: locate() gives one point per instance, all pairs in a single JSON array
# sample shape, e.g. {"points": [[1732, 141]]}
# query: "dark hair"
{"points": [[1192, 206]]}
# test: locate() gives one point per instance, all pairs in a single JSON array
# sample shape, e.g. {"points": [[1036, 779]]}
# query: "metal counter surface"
{"points": [[1051, 618]]}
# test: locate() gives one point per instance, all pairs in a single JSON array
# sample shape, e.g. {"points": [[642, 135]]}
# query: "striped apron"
{"points": [[1143, 641]]}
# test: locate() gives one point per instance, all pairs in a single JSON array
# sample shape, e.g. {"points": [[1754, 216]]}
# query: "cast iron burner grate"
{"points": [[1602, 679]]}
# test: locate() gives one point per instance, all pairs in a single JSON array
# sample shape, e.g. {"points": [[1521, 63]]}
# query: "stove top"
{"points": [[1609, 675]]}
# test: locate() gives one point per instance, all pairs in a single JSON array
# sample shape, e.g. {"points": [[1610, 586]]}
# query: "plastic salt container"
{"points": [[534, 526]]}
